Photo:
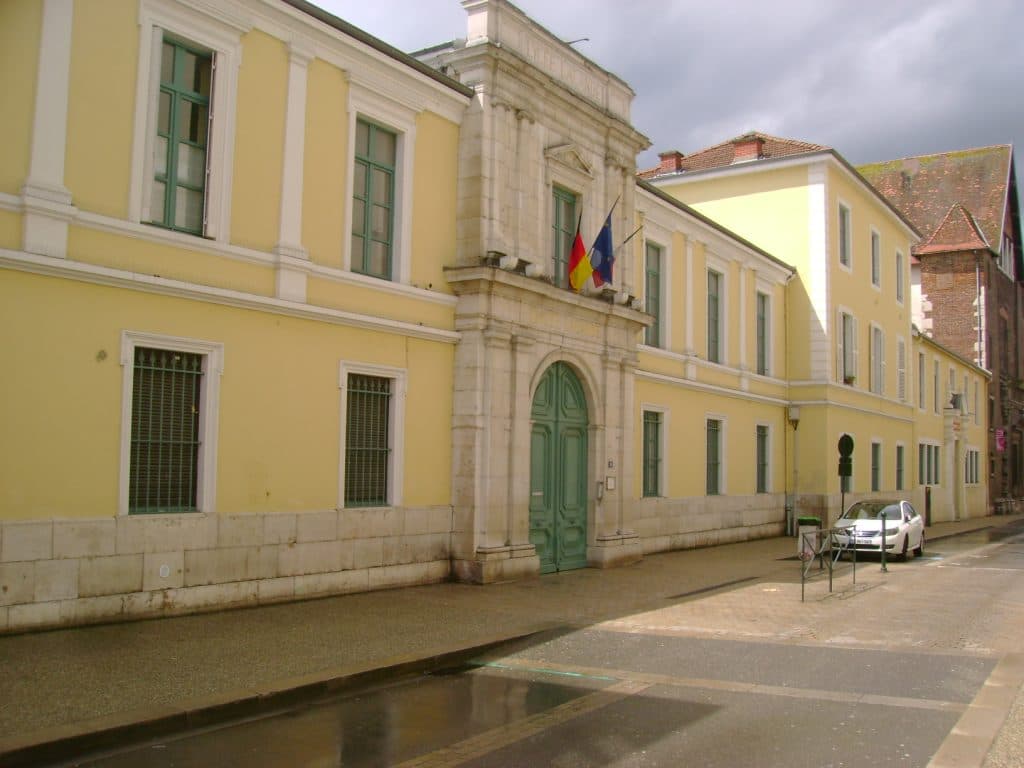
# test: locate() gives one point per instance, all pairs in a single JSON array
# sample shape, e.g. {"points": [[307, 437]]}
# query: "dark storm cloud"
{"points": [[876, 80]]}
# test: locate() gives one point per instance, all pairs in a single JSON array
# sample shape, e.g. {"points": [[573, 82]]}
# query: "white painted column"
{"points": [[47, 201], [291, 282]]}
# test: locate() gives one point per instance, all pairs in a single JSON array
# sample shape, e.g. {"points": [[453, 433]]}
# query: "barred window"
{"points": [[367, 440], [652, 453], [714, 458], [762, 458], [165, 438]]}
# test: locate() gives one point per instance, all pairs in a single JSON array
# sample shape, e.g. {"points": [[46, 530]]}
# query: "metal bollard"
{"points": [[884, 532]]}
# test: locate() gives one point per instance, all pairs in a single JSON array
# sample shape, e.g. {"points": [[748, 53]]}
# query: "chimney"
{"points": [[748, 147], [671, 161]]}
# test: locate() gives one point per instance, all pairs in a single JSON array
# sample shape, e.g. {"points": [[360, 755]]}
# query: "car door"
{"points": [[915, 526]]}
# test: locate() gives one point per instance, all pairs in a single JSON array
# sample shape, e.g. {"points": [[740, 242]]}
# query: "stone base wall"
{"points": [[57, 573], [669, 524]]}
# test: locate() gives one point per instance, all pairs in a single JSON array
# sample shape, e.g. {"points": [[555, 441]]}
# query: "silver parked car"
{"points": [[861, 526]]}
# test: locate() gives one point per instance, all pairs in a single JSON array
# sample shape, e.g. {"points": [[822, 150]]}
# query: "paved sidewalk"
{"points": [[66, 690]]}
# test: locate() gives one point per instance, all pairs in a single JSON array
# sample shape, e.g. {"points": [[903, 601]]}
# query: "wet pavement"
{"points": [[690, 638]]}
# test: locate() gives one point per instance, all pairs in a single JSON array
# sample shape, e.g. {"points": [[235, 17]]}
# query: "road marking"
{"points": [[733, 686], [502, 736]]}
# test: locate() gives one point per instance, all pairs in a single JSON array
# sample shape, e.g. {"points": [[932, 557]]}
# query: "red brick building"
{"points": [[968, 275]]}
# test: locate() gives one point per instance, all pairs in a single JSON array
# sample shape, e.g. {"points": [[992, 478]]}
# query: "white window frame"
{"points": [[768, 458], [876, 259], [877, 352], [900, 281], [722, 450], [720, 268], [662, 446], [922, 390], [396, 425], [221, 33], [901, 369], [209, 411], [765, 290], [843, 352], [845, 244], [370, 105], [871, 465]]}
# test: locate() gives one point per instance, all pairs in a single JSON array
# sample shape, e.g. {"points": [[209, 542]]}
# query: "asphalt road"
{"points": [[894, 670]]}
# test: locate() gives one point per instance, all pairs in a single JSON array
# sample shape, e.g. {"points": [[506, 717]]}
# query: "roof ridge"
{"points": [[1007, 145]]}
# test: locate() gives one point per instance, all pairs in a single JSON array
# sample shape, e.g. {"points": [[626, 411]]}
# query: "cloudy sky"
{"points": [[876, 79]]}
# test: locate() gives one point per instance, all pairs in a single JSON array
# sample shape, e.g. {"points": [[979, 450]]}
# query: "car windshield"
{"points": [[872, 510]]}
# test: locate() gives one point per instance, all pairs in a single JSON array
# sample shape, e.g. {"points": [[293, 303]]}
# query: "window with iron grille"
{"points": [[714, 317], [652, 453], [373, 195], [163, 471], [714, 457], [762, 458], [652, 294], [367, 440], [179, 155], [563, 230]]}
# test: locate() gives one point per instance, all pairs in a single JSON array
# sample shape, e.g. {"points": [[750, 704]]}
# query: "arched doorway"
{"points": [[558, 471]]}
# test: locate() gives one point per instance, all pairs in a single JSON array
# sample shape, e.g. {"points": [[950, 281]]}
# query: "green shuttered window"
{"points": [[714, 457], [165, 442], [367, 434], [652, 294], [180, 152], [652, 453], [563, 220], [373, 206]]}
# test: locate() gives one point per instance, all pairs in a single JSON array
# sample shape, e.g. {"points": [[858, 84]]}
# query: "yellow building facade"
{"points": [[851, 343], [223, 233], [287, 314]]}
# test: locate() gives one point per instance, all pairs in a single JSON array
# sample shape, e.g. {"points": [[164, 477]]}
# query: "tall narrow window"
{"points": [[182, 132], [714, 317], [846, 349], [763, 331], [845, 239], [652, 293], [899, 276], [876, 466], [563, 228], [899, 468], [762, 458], [367, 440], [876, 259], [163, 472], [922, 459], [936, 400], [901, 370], [877, 361], [713, 486], [652, 453], [373, 193], [921, 387]]}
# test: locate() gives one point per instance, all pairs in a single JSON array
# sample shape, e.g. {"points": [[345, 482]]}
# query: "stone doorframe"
{"points": [[513, 328]]}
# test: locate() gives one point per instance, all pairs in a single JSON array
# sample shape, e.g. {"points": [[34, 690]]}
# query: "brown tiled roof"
{"points": [[926, 188], [958, 231], [724, 154]]}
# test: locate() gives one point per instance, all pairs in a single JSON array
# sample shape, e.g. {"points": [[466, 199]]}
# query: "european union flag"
{"points": [[602, 254]]}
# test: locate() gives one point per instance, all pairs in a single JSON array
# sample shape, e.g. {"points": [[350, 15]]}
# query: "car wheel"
{"points": [[903, 552], [919, 549]]}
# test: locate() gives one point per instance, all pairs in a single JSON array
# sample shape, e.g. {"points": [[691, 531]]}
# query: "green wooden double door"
{"points": [[558, 471]]}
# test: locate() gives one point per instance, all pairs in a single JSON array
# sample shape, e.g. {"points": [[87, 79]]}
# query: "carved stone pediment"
{"points": [[568, 156]]}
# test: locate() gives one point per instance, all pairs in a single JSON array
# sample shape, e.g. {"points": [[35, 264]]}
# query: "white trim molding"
{"points": [[209, 410], [396, 426], [205, 25]]}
